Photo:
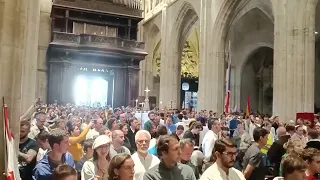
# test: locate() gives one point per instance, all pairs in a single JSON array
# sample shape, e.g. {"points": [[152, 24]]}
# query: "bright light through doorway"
{"points": [[90, 91]]}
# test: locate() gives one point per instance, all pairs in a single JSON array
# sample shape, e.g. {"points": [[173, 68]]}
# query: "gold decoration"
{"points": [[189, 59], [190, 56], [156, 60]]}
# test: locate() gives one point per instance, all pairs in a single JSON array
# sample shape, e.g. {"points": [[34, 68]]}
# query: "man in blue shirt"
{"points": [[59, 142], [170, 126]]}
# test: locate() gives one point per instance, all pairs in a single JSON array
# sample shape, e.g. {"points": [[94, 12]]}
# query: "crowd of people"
{"points": [[69, 142]]}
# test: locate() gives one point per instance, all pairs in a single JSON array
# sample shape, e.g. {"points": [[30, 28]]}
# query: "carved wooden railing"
{"points": [[98, 4], [66, 38], [134, 4], [126, 7], [96, 41]]}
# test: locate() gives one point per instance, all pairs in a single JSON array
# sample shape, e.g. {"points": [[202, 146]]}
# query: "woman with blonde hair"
{"points": [[121, 168], [293, 146]]}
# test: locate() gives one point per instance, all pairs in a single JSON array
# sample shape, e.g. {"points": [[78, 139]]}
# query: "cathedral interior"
{"points": [[179, 49]]}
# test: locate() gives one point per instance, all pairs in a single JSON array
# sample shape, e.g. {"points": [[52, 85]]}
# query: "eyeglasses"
{"points": [[230, 154], [143, 141]]}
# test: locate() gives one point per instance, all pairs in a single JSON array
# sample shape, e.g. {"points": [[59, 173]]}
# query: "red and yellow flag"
{"points": [[248, 107]]}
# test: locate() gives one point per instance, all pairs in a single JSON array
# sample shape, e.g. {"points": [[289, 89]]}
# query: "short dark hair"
{"points": [[314, 134], [225, 129], [299, 126], [161, 130], [131, 119], [180, 127], [123, 125], [212, 121], [221, 145], [292, 163], [110, 122], [63, 171], [259, 132], [149, 114], [290, 128], [25, 123], [87, 144], [56, 137], [163, 144], [42, 136]]}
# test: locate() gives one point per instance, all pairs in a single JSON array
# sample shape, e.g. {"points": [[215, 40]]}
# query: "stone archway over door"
{"points": [[174, 32], [257, 81]]}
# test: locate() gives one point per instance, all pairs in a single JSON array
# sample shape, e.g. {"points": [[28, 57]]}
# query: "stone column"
{"points": [[211, 72], [294, 57], [44, 40], [169, 73], [19, 26], [142, 64]]}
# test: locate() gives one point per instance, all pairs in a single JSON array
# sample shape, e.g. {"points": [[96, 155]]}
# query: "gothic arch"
{"points": [[229, 10], [258, 41], [151, 36], [263, 5], [180, 28], [154, 37], [259, 34], [184, 24], [250, 50], [257, 80]]}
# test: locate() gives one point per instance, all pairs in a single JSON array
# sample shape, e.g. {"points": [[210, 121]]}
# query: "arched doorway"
{"points": [[172, 47], [190, 70], [257, 81]]}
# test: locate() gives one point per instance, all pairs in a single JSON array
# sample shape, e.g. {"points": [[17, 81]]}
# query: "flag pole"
{"points": [[228, 78], [4, 139]]}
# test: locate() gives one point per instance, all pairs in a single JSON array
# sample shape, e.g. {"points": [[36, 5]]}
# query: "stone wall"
{"points": [[44, 40], [19, 33]]}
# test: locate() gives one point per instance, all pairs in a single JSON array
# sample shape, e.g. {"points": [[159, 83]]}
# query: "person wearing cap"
{"points": [[97, 167]]}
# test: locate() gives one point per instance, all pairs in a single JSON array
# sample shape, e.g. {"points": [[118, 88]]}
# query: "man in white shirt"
{"points": [[142, 159], [39, 126], [222, 169], [93, 133], [211, 136]]}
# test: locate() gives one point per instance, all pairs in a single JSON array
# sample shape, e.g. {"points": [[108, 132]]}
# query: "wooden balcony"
{"points": [[98, 45], [131, 8]]}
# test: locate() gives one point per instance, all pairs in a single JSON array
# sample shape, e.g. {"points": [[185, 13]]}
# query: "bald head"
{"points": [[117, 138], [117, 133], [281, 131]]}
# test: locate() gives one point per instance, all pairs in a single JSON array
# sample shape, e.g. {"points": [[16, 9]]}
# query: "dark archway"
{"points": [[257, 81]]}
